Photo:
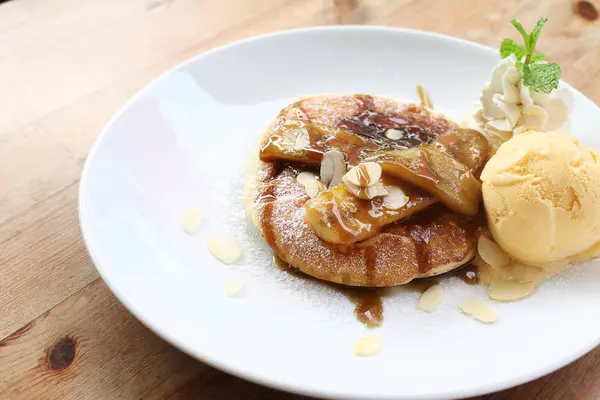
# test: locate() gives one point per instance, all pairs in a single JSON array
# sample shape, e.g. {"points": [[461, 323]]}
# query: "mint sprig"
{"points": [[537, 73]]}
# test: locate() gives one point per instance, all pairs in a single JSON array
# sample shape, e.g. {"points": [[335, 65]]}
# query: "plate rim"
{"points": [[241, 372]]}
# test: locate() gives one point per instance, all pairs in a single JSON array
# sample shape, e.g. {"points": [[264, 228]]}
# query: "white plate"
{"points": [[183, 142]]}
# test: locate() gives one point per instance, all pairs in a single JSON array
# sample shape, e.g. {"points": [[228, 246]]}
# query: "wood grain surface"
{"points": [[65, 67]]}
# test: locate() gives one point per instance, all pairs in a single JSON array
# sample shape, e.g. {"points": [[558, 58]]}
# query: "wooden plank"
{"points": [[90, 347], [103, 53], [42, 260], [33, 167]]}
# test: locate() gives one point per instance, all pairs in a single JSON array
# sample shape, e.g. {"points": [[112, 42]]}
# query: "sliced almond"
{"points": [[333, 168], [394, 134], [364, 174], [313, 188], [524, 273], [376, 190], [191, 220], [395, 199], [367, 346], [491, 253], [510, 290], [478, 309], [367, 193], [302, 141], [430, 299], [304, 177], [234, 288], [424, 97], [225, 249]]}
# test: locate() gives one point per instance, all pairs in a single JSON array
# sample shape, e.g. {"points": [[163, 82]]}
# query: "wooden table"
{"points": [[65, 67]]}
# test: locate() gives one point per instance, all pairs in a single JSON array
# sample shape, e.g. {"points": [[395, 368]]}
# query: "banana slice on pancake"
{"points": [[338, 216]]}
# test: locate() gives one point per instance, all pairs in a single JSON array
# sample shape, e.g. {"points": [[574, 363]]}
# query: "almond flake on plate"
{"points": [[491, 253], [478, 309], [430, 299], [234, 288], [367, 346], [510, 290], [225, 249], [190, 221]]}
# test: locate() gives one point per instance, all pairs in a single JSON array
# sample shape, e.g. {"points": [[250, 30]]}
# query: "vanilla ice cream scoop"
{"points": [[541, 192]]}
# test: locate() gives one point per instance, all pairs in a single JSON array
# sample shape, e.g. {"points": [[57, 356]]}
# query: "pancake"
{"points": [[429, 243]]}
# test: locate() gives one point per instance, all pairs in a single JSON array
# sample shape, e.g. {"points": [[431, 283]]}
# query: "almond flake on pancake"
{"points": [[333, 168], [363, 175]]}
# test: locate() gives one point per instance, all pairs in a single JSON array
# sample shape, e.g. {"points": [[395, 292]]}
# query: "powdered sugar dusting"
{"points": [[257, 267]]}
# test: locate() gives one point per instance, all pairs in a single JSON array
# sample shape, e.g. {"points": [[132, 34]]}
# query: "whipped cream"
{"points": [[508, 107]]}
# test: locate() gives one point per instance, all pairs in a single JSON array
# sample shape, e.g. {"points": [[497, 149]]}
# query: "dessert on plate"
{"points": [[369, 191]]}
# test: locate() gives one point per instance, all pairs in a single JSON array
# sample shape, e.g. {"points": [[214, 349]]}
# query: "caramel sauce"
{"points": [[424, 168], [363, 175], [416, 127], [469, 274], [370, 265], [420, 237], [267, 226], [368, 305]]}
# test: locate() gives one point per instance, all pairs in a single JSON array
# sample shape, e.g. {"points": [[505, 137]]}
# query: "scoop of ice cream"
{"points": [[542, 197], [509, 107]]}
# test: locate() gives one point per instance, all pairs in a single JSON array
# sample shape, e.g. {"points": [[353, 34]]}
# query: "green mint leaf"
{"points": [[541, 77], [519, 65], [535, 57], [524, 34], [535, 34], [537, 75], [509, 47]]}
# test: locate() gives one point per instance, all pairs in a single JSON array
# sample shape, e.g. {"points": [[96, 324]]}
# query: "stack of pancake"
{"points": [[338, 237]]}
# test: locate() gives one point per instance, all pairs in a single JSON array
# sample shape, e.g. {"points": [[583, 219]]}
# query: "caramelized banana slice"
{"points": [[467, 146], [337, 216], [305, 142], [435, 172]]}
